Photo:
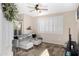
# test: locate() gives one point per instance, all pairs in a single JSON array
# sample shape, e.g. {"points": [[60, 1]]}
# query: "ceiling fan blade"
{"points": [[32, 10], [43, 9], [30, 7], [30, 4]]}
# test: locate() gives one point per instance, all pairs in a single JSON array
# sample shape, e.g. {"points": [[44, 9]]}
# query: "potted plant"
{"points": [[9, 11]]}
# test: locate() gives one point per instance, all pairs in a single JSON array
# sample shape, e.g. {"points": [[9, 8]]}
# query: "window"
{"points": [[50, 24]]}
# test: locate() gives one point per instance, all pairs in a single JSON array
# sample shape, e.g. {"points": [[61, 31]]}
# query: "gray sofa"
{"points": [[26, 41]]}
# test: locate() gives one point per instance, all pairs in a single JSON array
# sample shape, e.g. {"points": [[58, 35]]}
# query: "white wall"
{"points": [[69, 21], [27, 21], [0, 30], [6, 36]]}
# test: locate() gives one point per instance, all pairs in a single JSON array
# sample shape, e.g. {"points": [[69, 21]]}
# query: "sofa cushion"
{"points": [[26, 45]]}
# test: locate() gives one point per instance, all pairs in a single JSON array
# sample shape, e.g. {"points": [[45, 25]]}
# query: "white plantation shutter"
{"points": [[51, 25]]}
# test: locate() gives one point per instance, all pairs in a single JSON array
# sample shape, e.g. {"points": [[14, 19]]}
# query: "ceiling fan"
{"points": [[37, 8]]}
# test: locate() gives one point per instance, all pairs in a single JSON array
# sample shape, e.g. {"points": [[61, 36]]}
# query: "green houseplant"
{"points": [[9, 11]]}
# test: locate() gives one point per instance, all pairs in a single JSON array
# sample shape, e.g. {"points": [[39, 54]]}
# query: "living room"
{"points": [[51, 23]]}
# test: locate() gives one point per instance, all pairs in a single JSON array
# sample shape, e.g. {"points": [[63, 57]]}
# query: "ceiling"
{"points": [[52, 8]]}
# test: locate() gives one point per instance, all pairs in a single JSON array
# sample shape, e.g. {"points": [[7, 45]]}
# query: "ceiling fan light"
{"points": [[39, 11]]}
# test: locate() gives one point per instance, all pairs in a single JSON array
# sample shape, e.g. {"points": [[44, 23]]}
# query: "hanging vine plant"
{"points": [[9, 11]]}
